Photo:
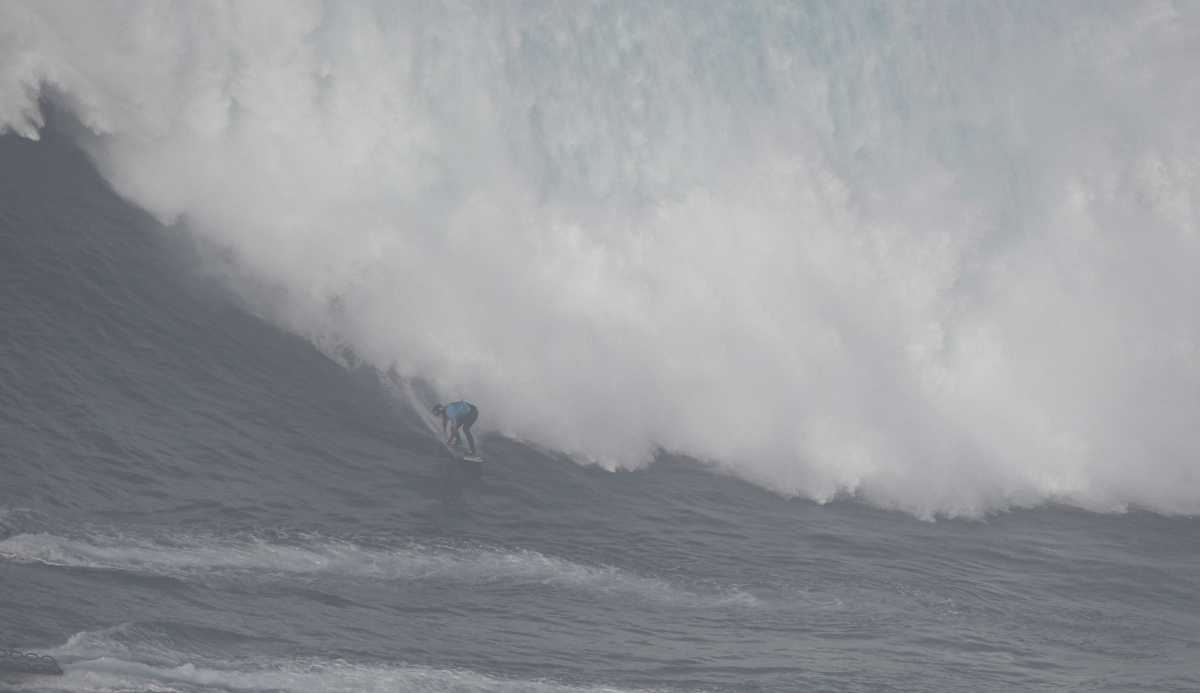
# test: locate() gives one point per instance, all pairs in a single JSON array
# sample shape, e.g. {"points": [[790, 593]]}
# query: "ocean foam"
{"points": [[940, 257], [122, 659], [200, 556]]}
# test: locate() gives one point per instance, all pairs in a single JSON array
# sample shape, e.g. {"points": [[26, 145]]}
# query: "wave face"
{"points": [[942, 257], [194, 499]]}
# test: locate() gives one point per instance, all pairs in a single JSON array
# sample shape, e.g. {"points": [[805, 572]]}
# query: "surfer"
{"points": [[458, 415]]}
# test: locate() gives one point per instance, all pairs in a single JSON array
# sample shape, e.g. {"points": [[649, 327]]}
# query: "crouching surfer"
{"points": [[458, 415]]}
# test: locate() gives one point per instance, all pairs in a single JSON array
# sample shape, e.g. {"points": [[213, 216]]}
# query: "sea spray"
{"points": [[939, 256]]}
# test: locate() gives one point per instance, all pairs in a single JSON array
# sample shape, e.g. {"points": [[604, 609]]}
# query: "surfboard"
{"points": [[461, 454]]}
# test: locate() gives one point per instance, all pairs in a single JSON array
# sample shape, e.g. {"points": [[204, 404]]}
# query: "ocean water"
{"points": [[819, 346]]}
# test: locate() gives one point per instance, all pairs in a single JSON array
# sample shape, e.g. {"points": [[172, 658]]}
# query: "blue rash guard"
{"points": [[462, 413]]}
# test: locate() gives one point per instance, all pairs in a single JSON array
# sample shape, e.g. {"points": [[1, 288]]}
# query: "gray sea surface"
{"points": [[194, 500]]}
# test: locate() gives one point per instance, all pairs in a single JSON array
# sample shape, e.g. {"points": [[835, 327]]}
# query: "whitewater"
{"points": [[819, 346]]}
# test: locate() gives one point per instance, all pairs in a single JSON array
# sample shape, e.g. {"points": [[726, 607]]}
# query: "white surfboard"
{"points": [[461, 453]]}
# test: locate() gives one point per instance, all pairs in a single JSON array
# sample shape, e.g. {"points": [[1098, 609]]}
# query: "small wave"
{"points": [[132, 656], [122, 670], [110, 675], [192, 556]]}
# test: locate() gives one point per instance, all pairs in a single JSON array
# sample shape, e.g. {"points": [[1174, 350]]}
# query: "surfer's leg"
{"points": [[471, 419], [470, 438]]}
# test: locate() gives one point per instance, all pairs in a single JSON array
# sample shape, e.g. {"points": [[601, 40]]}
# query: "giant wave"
{"points": [[942, 257]]}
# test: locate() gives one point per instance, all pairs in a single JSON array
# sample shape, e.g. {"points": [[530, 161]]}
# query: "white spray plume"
{"points": [[945, 257]]}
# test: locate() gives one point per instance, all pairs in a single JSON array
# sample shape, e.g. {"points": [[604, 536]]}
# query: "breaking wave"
{"points": [[942, 257]]}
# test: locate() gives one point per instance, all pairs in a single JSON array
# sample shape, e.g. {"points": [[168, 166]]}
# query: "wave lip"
{"points": [[191, 556]]}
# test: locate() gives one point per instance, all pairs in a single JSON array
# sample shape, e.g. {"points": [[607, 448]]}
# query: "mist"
{"points": [[941, 257]]}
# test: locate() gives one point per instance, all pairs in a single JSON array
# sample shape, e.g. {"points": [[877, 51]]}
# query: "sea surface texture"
{"points": [[818, 346]]}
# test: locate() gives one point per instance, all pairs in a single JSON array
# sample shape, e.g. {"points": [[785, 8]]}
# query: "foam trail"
{"points": [[197, 556], [108, 660], [939, 256], [108, 675]]}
